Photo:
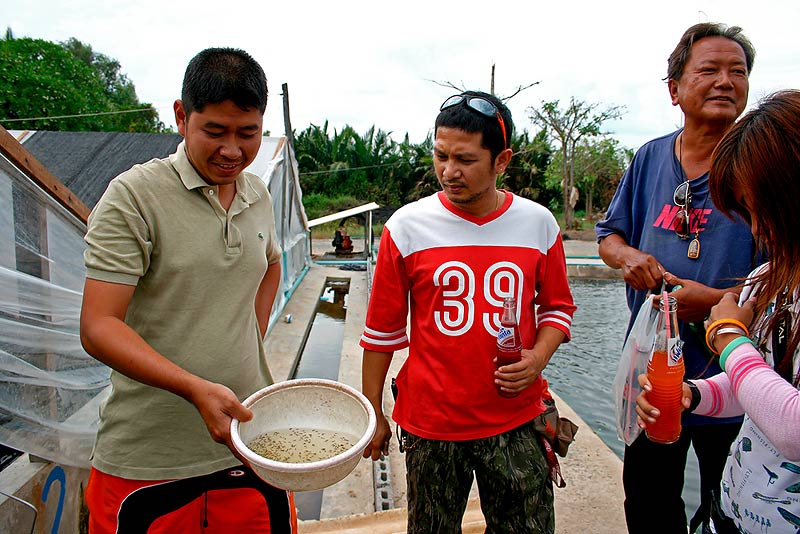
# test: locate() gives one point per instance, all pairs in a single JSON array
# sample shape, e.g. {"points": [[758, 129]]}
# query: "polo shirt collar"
{"points": [[192, 180]]}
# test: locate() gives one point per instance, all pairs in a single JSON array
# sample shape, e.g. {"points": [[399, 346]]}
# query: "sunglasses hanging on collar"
{"points": [[682, 197]]}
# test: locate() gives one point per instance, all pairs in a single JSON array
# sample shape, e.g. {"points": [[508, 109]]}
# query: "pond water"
{"points": [[582, 371], [322, 349], [321, 353]]}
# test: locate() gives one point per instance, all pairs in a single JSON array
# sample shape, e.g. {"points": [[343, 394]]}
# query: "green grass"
{"points": [[579, 217], [320, 205]]}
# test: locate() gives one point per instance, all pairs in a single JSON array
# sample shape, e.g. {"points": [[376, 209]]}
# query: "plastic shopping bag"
{"points": [[633, 362]]}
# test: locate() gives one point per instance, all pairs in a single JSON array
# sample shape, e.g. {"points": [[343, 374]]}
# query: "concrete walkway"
{"points": [[591, 502], [583, 260]]}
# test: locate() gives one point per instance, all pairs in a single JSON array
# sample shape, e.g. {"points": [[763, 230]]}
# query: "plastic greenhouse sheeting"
{"points": [[51, 391], [51, 388], [277, 166]]}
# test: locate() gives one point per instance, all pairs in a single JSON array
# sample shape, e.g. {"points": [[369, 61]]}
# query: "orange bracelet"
{"points": [[718, 323]]}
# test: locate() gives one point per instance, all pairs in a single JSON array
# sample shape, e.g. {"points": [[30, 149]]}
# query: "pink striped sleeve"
{"points": [[717, 398], [749, 383]]}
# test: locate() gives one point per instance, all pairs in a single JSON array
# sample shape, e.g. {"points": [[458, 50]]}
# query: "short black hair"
{"points": [[218, 74], [465, 118], [678, 58]]}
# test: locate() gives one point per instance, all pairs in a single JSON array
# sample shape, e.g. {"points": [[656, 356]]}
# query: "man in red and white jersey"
{"points": [[447, 261]]}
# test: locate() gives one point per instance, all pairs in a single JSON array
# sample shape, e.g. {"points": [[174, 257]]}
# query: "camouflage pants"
{"points": [[515, 489]]}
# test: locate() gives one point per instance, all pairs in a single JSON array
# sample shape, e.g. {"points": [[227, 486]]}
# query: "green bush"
{"points": [[318, 205]]}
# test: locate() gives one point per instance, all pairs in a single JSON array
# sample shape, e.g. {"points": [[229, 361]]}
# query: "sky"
{"points": [[365, 63]]}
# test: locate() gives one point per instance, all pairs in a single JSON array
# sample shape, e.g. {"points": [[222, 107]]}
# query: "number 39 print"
{"points": [[457, 313]]}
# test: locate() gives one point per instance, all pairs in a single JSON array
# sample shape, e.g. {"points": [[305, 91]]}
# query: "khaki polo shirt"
{"points": [[196, 268]]}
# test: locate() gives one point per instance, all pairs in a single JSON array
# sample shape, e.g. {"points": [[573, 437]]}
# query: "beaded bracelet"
{"points": [[730, 347], [716, 324]]}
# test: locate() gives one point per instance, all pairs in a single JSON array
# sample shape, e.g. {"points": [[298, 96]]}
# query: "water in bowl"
{"points": [[301, 445]]}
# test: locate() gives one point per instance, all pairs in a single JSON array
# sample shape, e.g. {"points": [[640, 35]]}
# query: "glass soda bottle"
{"points": [[509, 344], [665, 371]]}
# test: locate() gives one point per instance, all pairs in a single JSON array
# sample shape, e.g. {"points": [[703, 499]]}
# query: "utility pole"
{"points": [[287, 123], [491, 90]]}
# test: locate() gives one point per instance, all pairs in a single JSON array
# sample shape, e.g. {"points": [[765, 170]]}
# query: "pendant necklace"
{"points": [[693, 251], [694, 248]]}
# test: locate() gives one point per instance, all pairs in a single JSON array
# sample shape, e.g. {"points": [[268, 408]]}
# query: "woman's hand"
{"points": [[728, 308], [646, 412]]}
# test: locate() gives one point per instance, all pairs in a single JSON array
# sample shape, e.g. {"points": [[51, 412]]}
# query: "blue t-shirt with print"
{"points": [[643, 212]]}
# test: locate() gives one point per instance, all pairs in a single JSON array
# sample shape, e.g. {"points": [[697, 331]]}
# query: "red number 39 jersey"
{"points": [[450, 271]]}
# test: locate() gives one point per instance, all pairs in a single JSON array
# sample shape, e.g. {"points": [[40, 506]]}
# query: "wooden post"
{"points": [[287, 125], [37, 172]]}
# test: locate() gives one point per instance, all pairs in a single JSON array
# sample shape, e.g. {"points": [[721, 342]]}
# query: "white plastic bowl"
{"points": [[312, 403]]}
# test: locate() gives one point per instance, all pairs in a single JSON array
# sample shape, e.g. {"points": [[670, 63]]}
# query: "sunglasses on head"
{"points": [[682, 197], [482, 106]]}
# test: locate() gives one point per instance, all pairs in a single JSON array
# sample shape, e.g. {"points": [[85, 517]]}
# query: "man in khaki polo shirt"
{"points": [[182, 271]]}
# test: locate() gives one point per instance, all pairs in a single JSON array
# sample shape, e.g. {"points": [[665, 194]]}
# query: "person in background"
{"points": [[663, 227], [754, 173], [182, 271], [449, 260]]}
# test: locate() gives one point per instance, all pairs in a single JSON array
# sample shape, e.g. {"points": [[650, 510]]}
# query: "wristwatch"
{"points": [[695, 396]]}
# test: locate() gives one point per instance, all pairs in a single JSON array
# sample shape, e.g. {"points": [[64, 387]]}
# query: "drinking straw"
{"points": [[665, 298]]}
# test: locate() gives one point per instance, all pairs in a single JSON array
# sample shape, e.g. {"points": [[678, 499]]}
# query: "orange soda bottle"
{"points": [[665, 371], [509, 344]]}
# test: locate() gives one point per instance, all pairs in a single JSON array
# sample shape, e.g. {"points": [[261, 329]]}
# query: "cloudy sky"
{"points": [[367, 63]]}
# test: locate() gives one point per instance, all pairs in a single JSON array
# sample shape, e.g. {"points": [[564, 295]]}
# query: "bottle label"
{"points": [[675, 351], [505, 336]]}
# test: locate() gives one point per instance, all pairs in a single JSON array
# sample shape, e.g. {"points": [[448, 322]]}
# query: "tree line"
{"points": [[568, 164], [68, 86]]}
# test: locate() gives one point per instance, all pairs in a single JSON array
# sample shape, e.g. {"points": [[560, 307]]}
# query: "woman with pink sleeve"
{"points": [[755, 172]]}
